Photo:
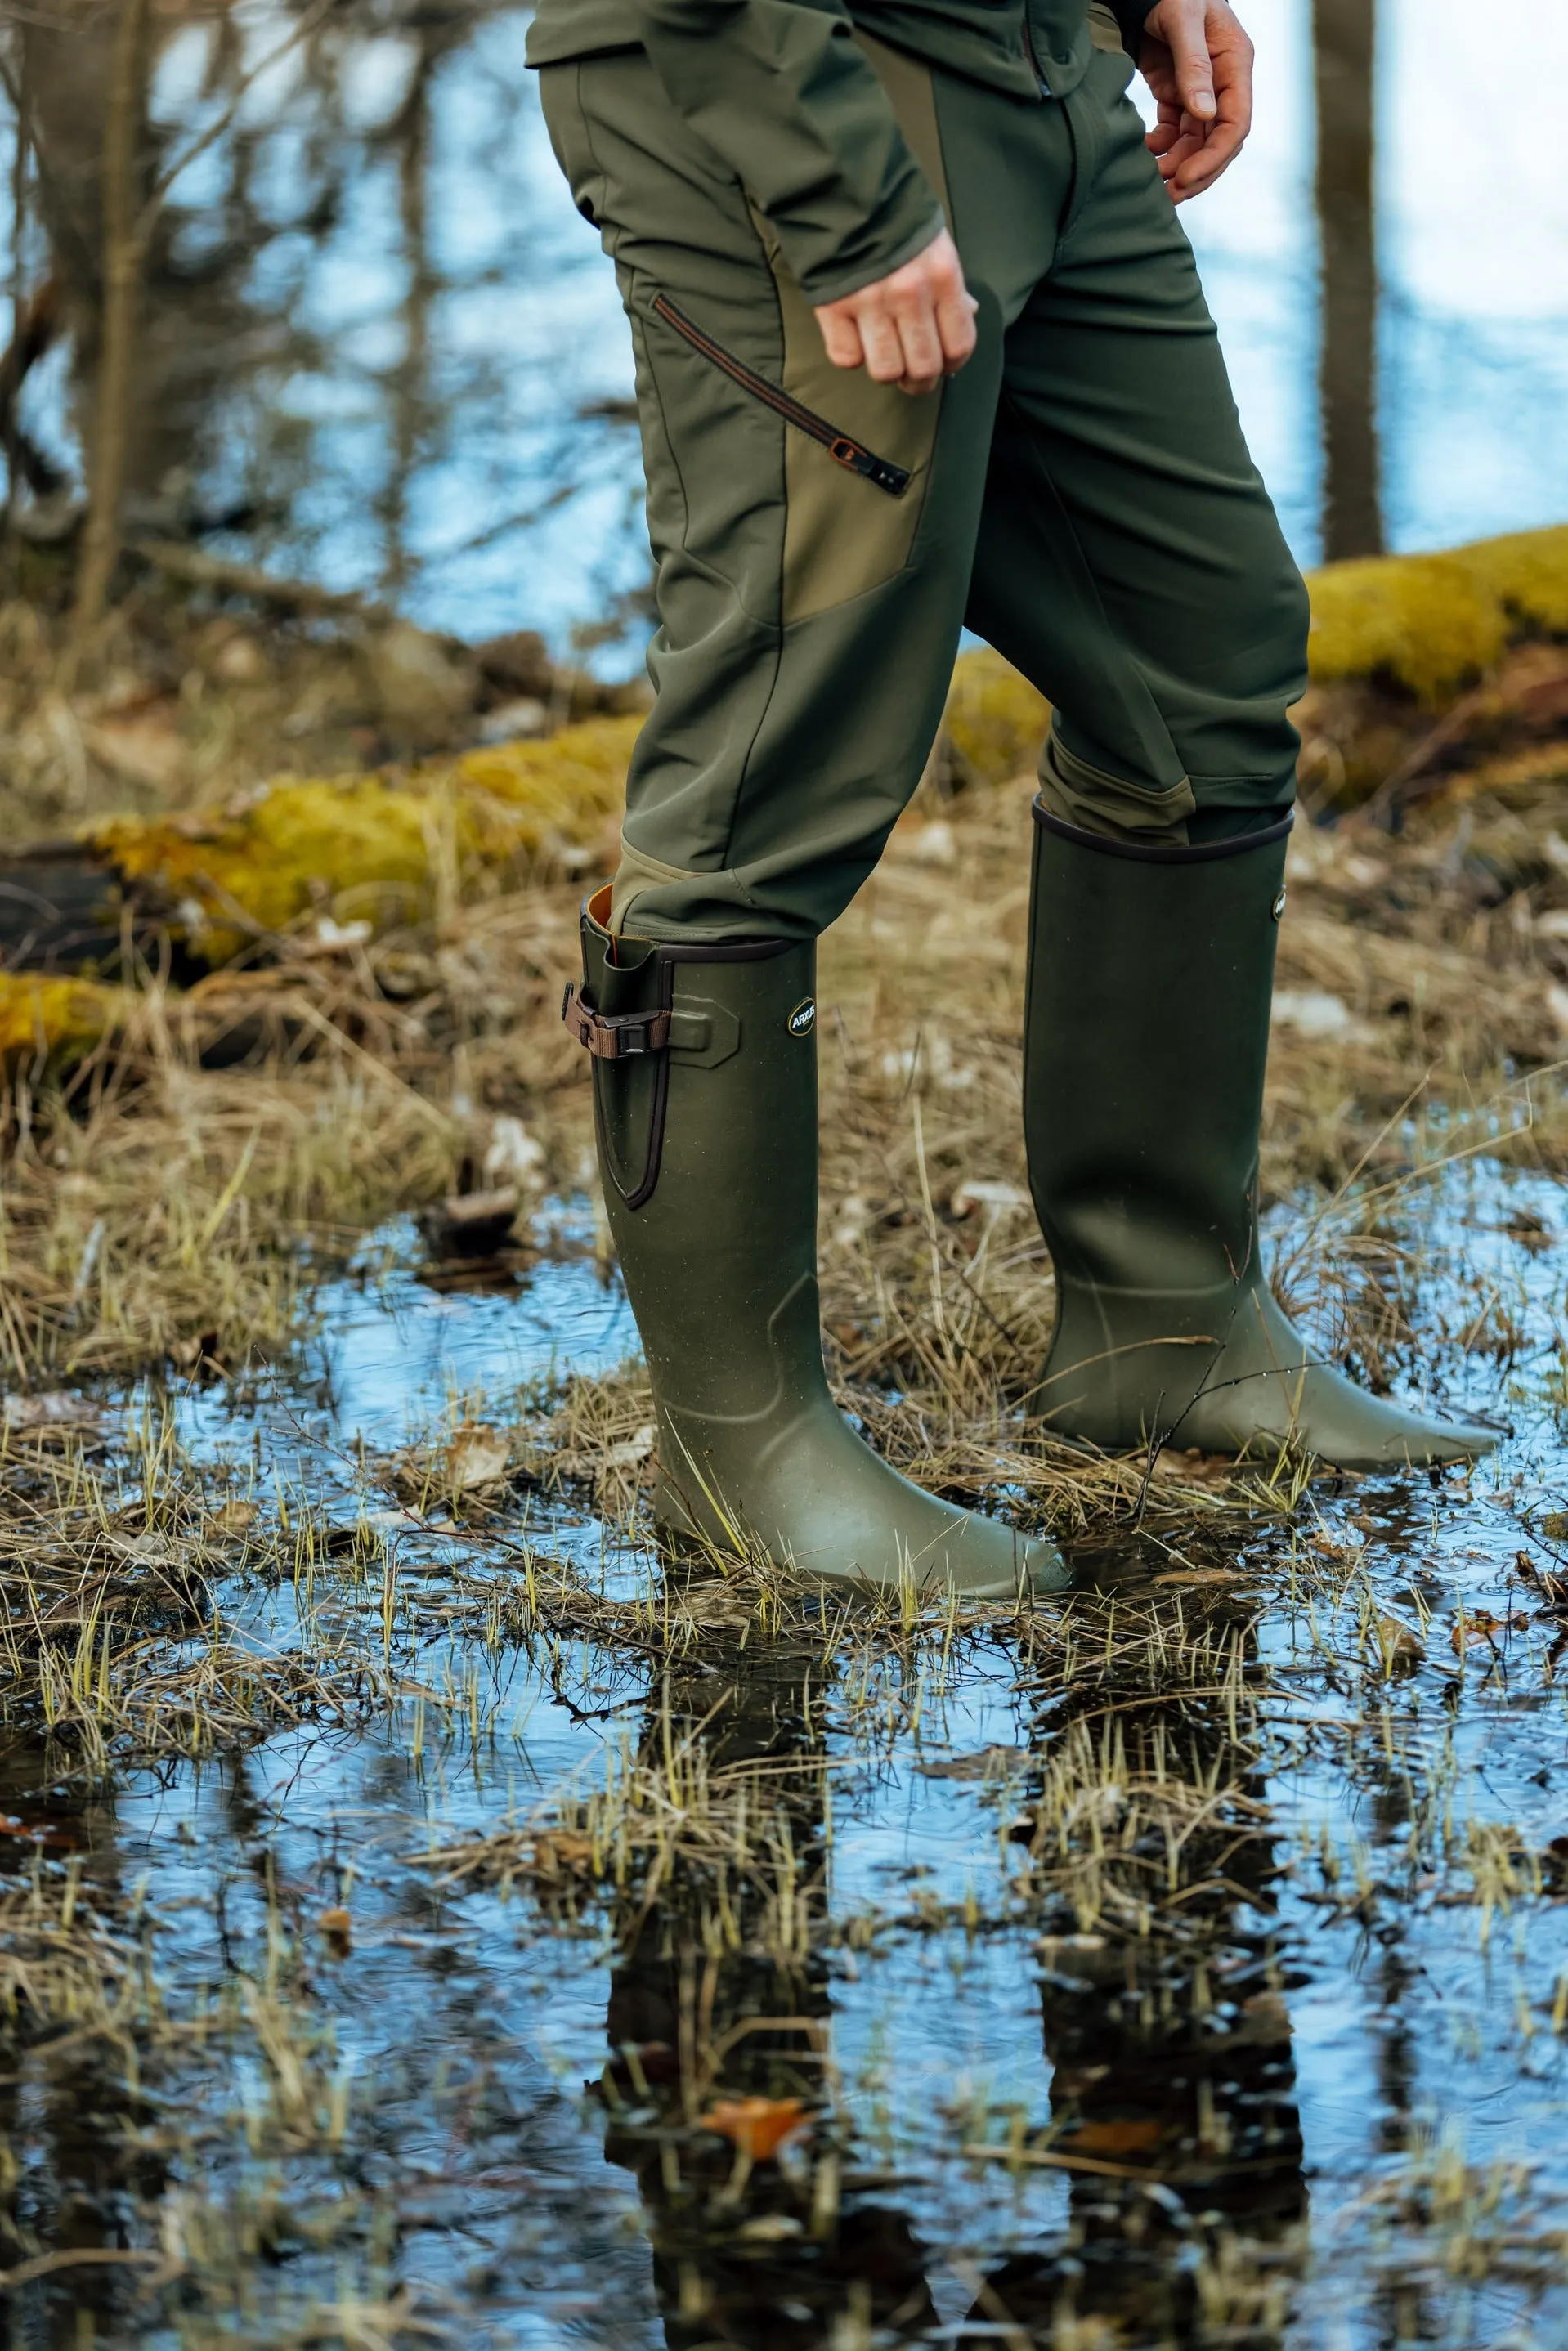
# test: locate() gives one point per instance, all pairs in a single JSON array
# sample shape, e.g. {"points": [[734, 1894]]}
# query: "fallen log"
{"points": [[1396, 649]]}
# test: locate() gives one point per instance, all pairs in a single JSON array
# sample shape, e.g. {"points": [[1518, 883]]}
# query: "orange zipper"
{"points": [[841, 447]]}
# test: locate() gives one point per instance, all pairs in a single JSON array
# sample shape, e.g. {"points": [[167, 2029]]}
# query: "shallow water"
{"points": [[1294, 2127], [382, 328]]}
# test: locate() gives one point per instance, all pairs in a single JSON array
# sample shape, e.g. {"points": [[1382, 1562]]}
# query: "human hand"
{"points": [[910, 328], [1198, 61]]}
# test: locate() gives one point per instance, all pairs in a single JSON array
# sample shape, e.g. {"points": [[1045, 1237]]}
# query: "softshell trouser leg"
{"points": [[1081, 491]]}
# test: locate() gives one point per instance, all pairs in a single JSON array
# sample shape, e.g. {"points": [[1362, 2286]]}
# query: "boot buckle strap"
{"points": [[613, 1036]]}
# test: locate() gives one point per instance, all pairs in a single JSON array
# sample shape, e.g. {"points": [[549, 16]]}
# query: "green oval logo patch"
{"points": [[803, 1020]]}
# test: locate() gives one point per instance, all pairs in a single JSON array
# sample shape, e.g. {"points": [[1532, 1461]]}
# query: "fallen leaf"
{"points": [[757, 2126], [34, 1832], [556, 1850], [234, 1518], [1480, 1624], [1194, 1468], [1400, 1645], [147, 1551], [476, 1456]]}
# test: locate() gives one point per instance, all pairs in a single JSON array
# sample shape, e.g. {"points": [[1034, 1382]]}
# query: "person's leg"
{"points": [[811, 599], [1131, 564], [809, 611], [1129, 561]]}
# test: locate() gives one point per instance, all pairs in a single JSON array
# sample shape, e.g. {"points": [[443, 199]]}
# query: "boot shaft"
{"points": [[1145, 1039], [707, 1114]]}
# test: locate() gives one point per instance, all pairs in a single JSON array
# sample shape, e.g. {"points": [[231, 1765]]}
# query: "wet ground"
{"points": [[541, 1965]]}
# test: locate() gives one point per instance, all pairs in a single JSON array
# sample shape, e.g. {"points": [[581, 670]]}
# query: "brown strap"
{"points": [[613, 1036]]}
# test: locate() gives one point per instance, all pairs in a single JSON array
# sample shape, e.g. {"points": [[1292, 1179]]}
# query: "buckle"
{"points": [[613, 1036]]}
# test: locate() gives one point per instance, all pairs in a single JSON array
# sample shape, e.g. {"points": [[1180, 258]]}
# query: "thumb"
{"points": [[1184, 34]]}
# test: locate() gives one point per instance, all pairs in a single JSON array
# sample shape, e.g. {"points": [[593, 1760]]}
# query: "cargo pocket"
{"points": [[841, 447]]}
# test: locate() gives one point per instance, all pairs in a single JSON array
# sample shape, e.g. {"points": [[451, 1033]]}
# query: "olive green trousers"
{"points": [[1079, 494]]}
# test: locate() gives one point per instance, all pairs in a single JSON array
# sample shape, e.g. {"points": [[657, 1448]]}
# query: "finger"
{"points": [[882, 346], [1185, 149], [841, 335], [915, 317], [1203, 169], [1218, 152], [956, 328], [1183, 33]]}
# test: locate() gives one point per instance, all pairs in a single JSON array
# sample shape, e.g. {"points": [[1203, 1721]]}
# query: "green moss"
{"points": [[371, 846], [995, 719], [1433, 623], [55, 1021]]}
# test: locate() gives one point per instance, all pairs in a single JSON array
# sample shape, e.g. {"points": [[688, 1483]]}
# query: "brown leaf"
{"points": [[36, 1832], [234, 1518], [339, 1928], [758, 2126], [1480, 1624], [1399, 1644], [558, 1850]]}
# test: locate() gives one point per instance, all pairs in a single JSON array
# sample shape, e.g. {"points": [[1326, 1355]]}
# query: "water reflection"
{"points": [[377, 348], [1166, 2031], [719, 2008]]}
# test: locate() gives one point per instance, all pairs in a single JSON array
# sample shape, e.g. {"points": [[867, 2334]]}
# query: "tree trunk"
{"points": [[1345, 33], [123, 255]]}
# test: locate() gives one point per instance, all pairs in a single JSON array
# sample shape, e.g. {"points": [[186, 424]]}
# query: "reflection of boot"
{"points": [[1145, 1037], [719, 1995], [706, 1093], [1173, 2110]]}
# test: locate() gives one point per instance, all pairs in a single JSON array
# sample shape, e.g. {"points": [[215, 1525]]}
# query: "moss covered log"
{"points": [[394, 846]]}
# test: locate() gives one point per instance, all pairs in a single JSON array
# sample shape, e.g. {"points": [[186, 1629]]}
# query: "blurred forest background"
{"points": [[294, 283]]}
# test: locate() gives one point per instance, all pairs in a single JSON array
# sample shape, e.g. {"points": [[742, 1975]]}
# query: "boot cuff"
{"points": [[1149, 852]]}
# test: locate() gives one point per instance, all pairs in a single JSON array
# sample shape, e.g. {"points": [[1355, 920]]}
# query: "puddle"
{"points": [[1203, 1981]]}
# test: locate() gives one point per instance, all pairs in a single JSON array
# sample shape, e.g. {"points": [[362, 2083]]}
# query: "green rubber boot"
{"points": [[704, 1075], [1145, 1035]]}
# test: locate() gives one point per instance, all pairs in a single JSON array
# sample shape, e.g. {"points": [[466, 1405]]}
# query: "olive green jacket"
{"points": [[780, 90]]}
